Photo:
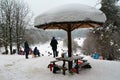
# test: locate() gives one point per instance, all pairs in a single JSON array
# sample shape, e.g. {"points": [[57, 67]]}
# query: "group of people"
{"points": [[27, 50], [53, 44]]}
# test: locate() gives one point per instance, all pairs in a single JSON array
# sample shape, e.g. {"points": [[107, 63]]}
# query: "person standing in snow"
{"points": [[26, 49], [53, 44]]}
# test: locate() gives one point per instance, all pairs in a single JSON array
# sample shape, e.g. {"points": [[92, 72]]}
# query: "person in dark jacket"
{"points": [[26, 49], [53, 44], [36, 52]]}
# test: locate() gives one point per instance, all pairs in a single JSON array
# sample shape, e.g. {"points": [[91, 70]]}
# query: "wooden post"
{"points": [[69, 46]]}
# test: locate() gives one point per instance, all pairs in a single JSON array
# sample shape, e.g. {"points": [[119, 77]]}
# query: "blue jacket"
{"points": [[26, 46]]}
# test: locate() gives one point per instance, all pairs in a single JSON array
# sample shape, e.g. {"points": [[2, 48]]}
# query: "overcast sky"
{"points": [[40, 6]]}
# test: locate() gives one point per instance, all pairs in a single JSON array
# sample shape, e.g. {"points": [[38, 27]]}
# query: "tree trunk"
{"points": [[10, 40]]}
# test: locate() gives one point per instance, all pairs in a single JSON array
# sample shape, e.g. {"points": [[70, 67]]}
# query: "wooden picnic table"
{"points": [[72, 59], [68, 59]]}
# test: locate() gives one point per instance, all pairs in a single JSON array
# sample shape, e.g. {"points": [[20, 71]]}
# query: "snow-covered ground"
{"points": [[16, 67]]}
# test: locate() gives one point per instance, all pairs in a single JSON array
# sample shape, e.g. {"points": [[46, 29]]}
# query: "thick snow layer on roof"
{"points": [[71, 13]]}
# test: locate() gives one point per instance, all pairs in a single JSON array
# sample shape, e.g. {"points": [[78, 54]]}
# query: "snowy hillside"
{"points": [[16, 67]]}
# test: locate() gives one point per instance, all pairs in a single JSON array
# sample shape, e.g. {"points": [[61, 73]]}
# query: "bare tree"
{"points": [[21, 21], [4, 22], [13, 19]]}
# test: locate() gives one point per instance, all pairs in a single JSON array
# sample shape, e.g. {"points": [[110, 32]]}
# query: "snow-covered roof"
{"points": [[70, 13]]}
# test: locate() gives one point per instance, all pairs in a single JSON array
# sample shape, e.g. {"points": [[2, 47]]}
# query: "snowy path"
{"points": [[16, 67]]}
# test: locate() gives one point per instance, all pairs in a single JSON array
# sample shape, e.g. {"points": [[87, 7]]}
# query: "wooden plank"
{"points": [[55, 61], [69, 58]]}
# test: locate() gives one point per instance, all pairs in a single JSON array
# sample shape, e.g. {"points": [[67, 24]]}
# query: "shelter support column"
{"points": [[69, 46]]}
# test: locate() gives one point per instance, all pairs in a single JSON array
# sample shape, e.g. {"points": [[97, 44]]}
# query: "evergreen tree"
{"points": [[106, 39], [112, 27]]}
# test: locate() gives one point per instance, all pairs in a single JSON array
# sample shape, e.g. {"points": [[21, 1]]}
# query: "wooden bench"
{"points": [[58, 66], [83, 64], [78, 67], [63, 69]]}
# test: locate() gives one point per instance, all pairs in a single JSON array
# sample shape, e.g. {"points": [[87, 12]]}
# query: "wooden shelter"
{"points": [[70, 17]]}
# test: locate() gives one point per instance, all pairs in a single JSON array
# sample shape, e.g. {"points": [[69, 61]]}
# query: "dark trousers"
{"points": [[55, 69], [55, 53], [26, 54], [38, 54]]}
